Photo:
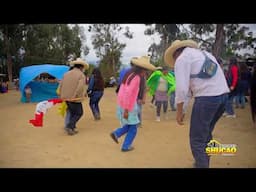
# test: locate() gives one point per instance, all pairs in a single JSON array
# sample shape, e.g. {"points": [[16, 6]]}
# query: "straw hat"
{"points": [[81, 62], [168, 56], [159, 68], [143, 62]]}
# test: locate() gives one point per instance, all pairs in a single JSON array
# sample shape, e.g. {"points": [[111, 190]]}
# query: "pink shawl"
{"points": [[127, 94]]}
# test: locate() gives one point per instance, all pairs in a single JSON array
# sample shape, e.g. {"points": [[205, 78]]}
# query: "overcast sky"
{"points": [[137, 46]]}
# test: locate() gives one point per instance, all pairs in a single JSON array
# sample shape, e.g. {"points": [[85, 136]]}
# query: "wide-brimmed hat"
{"points": [[143, 62], [159, 68], [80, 62], [168, 55]]}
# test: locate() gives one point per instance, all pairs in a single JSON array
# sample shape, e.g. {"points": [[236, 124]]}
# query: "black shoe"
{"points": [[114, 137], [97, 117], [70, 131], [126, 150]]}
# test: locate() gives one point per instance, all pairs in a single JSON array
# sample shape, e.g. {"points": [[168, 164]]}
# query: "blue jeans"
{"points": [[172, 101], [205, 114], [67, 117], [131, 131], [94, 102], [240, 99], [229, 104], [242, 88], [76, 112]]}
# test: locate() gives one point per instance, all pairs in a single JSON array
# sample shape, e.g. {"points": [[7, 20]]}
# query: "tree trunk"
{"points": [[114, 66], [7, 51], [9, 67], [219, 41]]}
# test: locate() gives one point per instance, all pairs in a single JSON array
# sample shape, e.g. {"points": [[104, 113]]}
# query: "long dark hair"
{"points": [[99, 81], [135, 70], [243, 68], [233, 61]]}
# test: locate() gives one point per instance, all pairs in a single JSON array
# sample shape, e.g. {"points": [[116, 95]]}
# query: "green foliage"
{"points": [[157, 62], [167, 32], [236, 38], [52, 43], [108, 47], [11, 38], [43, 43], [202, 29]]}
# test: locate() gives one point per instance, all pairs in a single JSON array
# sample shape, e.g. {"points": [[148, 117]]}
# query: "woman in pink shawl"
{"points": [[127, 109]]}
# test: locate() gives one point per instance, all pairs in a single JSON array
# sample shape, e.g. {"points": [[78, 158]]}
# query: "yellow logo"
{"points": [[216, 148]]}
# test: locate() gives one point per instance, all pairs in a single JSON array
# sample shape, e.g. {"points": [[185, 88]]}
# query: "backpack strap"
{"points": [[195, 75], [206, 57], [202, 68]]}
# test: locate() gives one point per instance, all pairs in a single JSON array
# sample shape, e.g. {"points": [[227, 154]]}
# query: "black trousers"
{"points": [[76, 112]]}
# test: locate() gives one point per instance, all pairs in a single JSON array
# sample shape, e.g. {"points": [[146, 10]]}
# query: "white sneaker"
{"points": [[158, 118], [224, 114], [231, 116]]}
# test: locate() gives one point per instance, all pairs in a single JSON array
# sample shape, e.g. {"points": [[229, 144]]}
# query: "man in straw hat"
{"points": [[72, 89], [210, 95], [133, 84]]}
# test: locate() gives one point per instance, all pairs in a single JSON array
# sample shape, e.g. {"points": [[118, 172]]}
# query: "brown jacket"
{"points": [[73, 85]]}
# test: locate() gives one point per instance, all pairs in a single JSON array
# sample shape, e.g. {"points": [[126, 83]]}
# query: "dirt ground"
{"points": [[162, 144]]}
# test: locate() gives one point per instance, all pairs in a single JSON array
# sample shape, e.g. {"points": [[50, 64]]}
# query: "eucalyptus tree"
{"points": [[108, 47]]}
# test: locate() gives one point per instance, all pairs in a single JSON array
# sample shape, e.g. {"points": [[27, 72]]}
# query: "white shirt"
{"points": [[162, 85], [190, 62]]}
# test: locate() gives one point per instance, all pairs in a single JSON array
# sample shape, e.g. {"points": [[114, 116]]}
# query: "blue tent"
{"points": [[40, 90]]}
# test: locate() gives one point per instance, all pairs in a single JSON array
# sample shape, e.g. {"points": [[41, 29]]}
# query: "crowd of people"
{"points": [[177, 82], [189, 72]]}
